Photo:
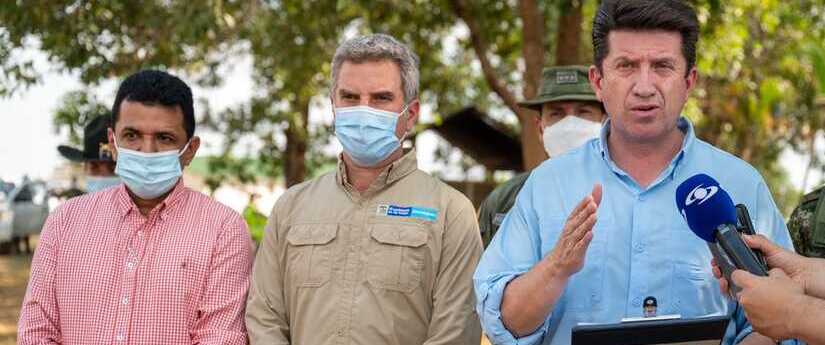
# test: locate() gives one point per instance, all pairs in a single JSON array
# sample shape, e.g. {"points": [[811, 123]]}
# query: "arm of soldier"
{"points": [[529, 298], [221, 310], [39, 318], [266, 315], [454, 321], [486, 213]]}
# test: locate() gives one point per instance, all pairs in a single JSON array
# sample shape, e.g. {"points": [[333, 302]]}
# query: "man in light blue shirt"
{"points": [[596, 231]]}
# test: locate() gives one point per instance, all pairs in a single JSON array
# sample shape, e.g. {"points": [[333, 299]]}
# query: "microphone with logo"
{"points": [[710, 214]]}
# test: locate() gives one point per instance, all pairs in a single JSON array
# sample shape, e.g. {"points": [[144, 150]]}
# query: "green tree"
{"points": [[757, 91], [76, 109], [757, 60]]}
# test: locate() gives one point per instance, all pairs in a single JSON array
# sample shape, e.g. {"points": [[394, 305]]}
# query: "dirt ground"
{"points": [[14, 275]]}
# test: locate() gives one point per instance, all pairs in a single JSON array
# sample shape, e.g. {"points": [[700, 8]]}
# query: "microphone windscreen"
{"points": [[704, 205]]}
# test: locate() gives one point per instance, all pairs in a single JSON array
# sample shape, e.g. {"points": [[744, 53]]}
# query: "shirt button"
{"points": [[639, 248], [120, 337], [130, 265], [341, 332], [125, 300]]}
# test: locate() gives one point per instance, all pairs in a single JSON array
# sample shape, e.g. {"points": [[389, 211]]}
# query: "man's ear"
{"points": [[189, 154], [596, 78], [413, 110], [110, 135], [691, 79]]}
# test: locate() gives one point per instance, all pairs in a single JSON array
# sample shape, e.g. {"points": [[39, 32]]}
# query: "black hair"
{"points": [[667, 15], [153, 87]]}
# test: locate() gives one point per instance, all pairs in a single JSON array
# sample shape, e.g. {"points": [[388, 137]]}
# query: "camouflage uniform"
{"points": [[566, 83], [495, 206], [807, 224]]}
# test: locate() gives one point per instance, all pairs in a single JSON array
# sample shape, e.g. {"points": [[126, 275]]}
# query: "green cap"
{"points": [[562, 83]]}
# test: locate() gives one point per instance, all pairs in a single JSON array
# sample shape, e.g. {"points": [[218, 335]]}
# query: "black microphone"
{"points": [[710, 214]]}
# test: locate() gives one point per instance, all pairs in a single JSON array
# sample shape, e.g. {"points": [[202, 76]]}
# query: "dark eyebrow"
{"points": [[622, 59], [161, 132], [669, 60], [383, 94], [172, 134], [130, 129], [344, 92]]}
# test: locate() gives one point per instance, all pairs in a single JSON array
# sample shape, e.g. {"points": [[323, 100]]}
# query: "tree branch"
{"points": [[480, 46]]}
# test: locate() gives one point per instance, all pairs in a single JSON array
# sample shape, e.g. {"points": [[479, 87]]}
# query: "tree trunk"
{"points": [[569, 33], [533, 50], [531, 150], [296, 144]]}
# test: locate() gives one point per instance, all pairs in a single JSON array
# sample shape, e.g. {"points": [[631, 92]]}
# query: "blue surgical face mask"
{"points": [[149, 175], [98, 183], [367, 134]]}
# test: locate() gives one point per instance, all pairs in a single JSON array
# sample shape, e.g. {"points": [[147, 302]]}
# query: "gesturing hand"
{"points": [[570, 250]]}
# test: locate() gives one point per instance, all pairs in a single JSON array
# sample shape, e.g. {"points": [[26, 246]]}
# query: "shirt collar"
{"points": [[393, 172], [682, 123], [125, 204]]}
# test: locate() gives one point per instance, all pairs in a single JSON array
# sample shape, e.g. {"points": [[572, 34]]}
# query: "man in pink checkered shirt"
{"points": [[148, 261]]}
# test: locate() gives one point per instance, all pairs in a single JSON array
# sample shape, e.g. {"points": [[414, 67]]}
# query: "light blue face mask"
{"points": [[98, 183], [149, 175], [367, 134]]}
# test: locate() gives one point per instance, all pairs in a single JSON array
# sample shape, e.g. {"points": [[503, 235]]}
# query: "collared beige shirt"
{"points": [[392, 265]]}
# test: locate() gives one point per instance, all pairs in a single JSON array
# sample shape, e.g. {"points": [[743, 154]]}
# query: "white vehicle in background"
{"points": [[23, 210]]}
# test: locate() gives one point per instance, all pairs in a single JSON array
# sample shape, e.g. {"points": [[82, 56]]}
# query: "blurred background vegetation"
{"points": [[761, 64]]}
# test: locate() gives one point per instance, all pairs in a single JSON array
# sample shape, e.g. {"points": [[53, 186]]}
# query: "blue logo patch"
{"points": [[423, 213]]}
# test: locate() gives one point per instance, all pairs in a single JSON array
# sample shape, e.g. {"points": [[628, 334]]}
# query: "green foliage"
{"points": [[256, 221], [761, 65], [103, 39], [757, 89], [76, 109]]}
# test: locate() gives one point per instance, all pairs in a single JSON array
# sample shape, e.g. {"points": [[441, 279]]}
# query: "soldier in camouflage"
{"points": [[807, 224], [569, 115]]}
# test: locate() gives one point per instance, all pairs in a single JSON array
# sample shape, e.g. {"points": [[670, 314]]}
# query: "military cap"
{"points": [[562, 83]]}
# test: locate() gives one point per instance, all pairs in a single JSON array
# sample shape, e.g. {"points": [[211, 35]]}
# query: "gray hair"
{"points": [[379, 47]]}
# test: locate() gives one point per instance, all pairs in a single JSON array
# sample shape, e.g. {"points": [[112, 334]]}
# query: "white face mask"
{"points": [[569, 133]]}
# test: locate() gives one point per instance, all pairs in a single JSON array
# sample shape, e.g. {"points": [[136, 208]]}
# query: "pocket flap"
{"points": [[311, 234], [399, 235]]}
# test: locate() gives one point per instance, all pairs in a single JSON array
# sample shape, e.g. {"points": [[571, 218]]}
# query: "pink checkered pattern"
{"points": [[105, 274]]}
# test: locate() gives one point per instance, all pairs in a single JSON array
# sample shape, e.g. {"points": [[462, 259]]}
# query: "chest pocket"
{"points": [[177, 278], [396, 256], [310, 253], [695, 291]]}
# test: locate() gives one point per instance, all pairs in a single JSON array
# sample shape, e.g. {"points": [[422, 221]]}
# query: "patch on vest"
{"points": [[422, 213], [499, 218]]}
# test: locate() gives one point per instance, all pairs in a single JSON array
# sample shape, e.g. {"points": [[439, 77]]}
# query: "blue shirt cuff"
{"points": [[489, 310], [744, 333]]}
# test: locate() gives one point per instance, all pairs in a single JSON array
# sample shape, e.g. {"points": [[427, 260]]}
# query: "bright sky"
{"points": [[28, 140]]}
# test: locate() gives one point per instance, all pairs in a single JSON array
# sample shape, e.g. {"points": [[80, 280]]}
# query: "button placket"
{"points": [[638, 262], [135, 251]]}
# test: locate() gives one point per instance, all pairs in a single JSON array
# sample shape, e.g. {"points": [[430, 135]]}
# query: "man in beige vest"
{"points": [[377, 252]]}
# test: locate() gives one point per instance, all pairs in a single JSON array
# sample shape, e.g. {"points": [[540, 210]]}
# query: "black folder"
{"points": [[702, 331]]}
